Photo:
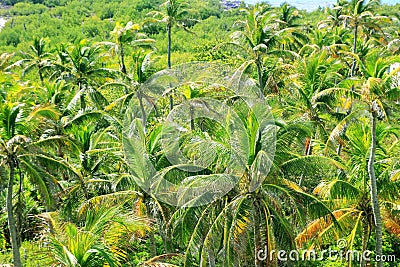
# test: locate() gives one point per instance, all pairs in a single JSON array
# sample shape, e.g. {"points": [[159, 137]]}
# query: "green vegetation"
{"points": [[90, 93]]}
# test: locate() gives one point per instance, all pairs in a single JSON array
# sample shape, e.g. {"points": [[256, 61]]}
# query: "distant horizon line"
{"points": [[307, 4]]}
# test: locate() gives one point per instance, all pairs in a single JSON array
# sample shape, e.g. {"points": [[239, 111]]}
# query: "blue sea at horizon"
{"points": [[311, 4]]}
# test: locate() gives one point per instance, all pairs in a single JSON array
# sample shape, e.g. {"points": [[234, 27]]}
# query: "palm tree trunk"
{"points": [[153, 249], [374, 191], [353, 66], [339, 149], [260, 77], [19, 210], [82, 96], [144, 117], [85, 190], [123, 67], [308, 149], [191, 111], [171, 100], [41, 75], [352, 73], [211, 258], [226, 236], [365, 239], [257, 236], [169, 46], [11, 220]]}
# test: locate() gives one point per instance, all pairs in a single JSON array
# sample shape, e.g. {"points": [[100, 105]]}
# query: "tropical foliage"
{"points": [[185, 133]]}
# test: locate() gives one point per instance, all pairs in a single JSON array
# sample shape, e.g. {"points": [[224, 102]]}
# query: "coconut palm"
{"points": [[376, 90], [334, 18], [93, 150], [38, 59], [231, 229], [5, 59], [235, 229], [127, 35], [348, 195], [19, 153], [287, 16], [259, 37], [313, 103], [99, 241], [82, 66], [131, 83], [175, 14], [335, 23], [360, 16]]}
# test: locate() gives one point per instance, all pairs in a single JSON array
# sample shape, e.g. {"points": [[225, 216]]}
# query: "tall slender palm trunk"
{"points": [[353, 66], [365, 239], [307, 152], [171, 100], [123, 67], [211, 258], [10, 214], [140, 97], [153, 248], [41, 75], [85, 189], [374, 191], [352, 74], [257, 233], [169, 28], [260, 77], [82, 96]]}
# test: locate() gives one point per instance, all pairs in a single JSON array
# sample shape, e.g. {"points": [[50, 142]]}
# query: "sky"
{"points": [[311, 4]]}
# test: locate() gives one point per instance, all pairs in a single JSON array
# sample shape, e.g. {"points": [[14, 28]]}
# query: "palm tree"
{"points": [[132, 85], [174, 14], [360, 17], [37, 59], [17, 152], [334, 18], [348, 195], [258, 38], [287, 16], [92, 152], [229, 229], [124, 35], [4, 60], [98, 241], [376, 90], [312, 105], [82, 65], [235, 228], [334, 22], [5, 154]]}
